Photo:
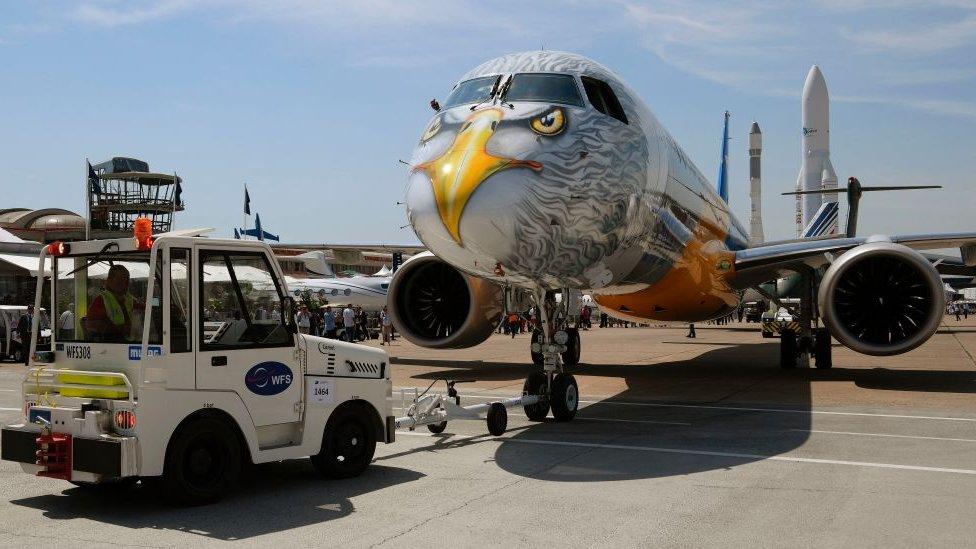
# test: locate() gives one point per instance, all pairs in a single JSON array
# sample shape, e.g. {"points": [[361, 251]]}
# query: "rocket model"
{"points": [[755, 185], [816, 214]]}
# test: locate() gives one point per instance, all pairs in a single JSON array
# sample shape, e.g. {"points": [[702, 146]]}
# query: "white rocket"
{"points": [[817, 213], [755, 185]]}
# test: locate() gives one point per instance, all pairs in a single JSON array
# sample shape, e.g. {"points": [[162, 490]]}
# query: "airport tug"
{"points": [[184, 363]]}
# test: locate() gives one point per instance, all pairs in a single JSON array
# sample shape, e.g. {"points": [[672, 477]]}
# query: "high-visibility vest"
{"points": [[113, 310]]}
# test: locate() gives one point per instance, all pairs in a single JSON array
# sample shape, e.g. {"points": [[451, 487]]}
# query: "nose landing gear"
{"points": [[554, 350]]}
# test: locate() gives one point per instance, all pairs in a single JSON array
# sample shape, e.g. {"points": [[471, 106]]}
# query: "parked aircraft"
{"points": [[544, 172]]}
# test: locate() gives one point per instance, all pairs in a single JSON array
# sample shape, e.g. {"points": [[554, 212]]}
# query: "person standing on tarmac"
{"points": [[691, 331], [24, 325], [329, 323], [349, 323]]}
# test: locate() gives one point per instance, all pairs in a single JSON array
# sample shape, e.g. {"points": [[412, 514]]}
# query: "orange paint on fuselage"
{"points": [[694, 289]]}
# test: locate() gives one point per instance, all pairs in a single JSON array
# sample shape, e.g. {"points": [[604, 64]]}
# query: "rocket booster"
{"points": [[755, 185], [816, 172]]}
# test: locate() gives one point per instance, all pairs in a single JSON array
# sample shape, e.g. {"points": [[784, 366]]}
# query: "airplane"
{"points": [[543, 172], [368, 292], [257, 232]]}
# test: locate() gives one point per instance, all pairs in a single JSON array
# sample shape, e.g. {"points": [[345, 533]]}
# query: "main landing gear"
{"points": [[796, 348]]}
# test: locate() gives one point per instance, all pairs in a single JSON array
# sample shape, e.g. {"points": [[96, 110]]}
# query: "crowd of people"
{"points": [[350, 323]]}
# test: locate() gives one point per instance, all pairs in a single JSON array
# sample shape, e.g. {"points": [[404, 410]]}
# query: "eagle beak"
{"points": [[456, 174]]}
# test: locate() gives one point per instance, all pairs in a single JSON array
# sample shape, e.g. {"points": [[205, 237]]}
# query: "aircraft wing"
{"points": [[763, 263]]}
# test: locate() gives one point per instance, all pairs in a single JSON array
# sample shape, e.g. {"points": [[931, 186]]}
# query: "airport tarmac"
{"points": [[679, 442]]}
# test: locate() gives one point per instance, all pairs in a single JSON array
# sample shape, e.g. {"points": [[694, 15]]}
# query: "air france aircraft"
{"points": [[544, 172]]}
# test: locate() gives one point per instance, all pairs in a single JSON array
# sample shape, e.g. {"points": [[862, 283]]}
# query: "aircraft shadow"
{"points": [[713, 411], [273, 497]]}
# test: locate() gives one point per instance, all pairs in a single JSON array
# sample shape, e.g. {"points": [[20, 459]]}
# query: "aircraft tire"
{"points": [[564, 397], [787, 350], [535, 384], [822, 350], [571, 356]]}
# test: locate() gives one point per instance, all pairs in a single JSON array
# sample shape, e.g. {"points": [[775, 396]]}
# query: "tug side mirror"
{"points": [[288, 314]]}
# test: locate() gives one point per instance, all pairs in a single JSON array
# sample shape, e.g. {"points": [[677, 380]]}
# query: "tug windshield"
{"points": [[101, 299]]}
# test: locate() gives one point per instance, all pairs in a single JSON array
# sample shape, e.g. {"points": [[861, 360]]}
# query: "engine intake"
{"points": [[882, 299], [437, 306]]}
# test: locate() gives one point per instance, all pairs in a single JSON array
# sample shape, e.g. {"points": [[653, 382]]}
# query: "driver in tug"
{"points": [[110, 315]]}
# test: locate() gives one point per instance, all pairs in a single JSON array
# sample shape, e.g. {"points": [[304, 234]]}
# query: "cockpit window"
{"points": [[546, 87], [603, 99], [475, 90]]}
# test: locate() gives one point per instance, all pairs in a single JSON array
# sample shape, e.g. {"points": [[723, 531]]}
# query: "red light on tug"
{"points": [[142, 231]]}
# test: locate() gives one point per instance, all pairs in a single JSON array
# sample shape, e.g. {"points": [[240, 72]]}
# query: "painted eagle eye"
{"points": [[549, 123], [432, 129]]}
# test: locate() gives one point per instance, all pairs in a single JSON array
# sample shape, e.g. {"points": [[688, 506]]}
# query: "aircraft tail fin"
{"points": [[723, 169], [823, 221], [315, 263]]}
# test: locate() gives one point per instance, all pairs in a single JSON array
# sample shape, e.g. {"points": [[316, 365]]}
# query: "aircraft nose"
{"points": [[457, 173]]}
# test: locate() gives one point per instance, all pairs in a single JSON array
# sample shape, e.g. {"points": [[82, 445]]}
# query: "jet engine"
{"points": [[882, 299], [437, 306]]}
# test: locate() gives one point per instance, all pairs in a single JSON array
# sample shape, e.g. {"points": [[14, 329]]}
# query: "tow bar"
{"points": [[435, 410]]}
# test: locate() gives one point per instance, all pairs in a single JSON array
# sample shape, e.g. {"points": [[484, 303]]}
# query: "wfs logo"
{"points": [[268, 378]]}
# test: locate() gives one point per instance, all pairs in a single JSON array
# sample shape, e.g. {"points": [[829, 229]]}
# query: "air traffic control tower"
{"points": [[124, 190]]}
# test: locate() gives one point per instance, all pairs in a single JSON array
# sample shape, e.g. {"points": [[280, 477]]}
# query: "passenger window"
{"points": [[241, 302], [547, 87], [603, 99], [179, 301]]}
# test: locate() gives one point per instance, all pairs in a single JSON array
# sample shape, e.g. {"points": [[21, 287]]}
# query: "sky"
{"points": [[312, 103]]}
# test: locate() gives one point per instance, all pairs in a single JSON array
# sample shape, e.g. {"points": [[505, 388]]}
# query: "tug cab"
{"points": [[182, 365]]}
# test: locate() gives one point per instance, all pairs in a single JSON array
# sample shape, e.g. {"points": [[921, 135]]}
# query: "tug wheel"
{"points": [[203, 462], [348, 445], [564, 397], [497, 419], [535, 384]]}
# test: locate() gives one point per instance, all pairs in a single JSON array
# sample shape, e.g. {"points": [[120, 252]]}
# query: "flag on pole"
{"points": [[93, 180], [178, 194], [247, 201], [237, 235]]}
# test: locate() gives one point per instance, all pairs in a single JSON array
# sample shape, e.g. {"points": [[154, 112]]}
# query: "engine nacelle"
{"points": [[882, 299], [437, 306]]}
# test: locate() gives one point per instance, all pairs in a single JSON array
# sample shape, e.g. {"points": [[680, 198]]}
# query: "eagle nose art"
{"points": [[457, 173]]}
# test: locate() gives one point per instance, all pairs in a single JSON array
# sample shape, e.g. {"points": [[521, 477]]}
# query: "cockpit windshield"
{"points": [[544, 87], [472, 91]]}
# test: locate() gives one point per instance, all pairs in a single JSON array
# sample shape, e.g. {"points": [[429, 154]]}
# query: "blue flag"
{"points": [[247, 201], [93, 180], [178, 195]]}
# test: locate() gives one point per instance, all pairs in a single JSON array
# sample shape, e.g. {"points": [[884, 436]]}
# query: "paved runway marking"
{"points": [[11, 409], [750, 409], [882, 435], [681, 451]]}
